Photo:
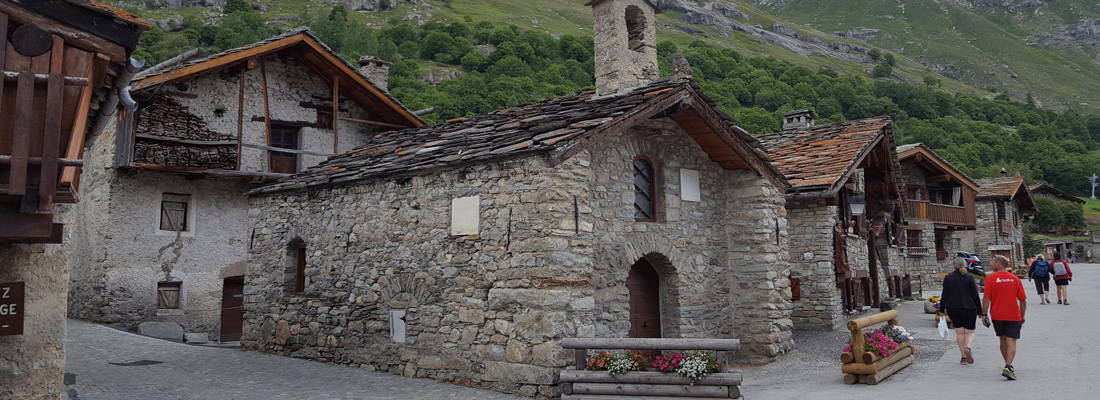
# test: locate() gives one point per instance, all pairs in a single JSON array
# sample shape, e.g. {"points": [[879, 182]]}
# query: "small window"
{"points": [[168, 295], [1001, 211], [397, 326], [912, 238], [173, 212], [300, 270], [635, 28], [645, 191], [284, 137]]}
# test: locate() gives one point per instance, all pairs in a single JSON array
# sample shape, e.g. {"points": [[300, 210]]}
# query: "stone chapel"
{"points": [[466, 251]]}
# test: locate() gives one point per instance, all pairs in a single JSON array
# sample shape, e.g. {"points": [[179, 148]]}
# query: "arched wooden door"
{"points": [[645, 301]]}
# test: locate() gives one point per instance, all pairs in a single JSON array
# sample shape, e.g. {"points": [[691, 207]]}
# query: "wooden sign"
{"points": [[11, 308]]}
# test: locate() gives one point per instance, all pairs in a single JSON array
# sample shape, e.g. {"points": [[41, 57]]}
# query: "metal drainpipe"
{"points": [[121, 86]]}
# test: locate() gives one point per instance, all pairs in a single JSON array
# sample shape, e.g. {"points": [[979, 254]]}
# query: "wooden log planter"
{"points": [[579, 384], [860, 366]]}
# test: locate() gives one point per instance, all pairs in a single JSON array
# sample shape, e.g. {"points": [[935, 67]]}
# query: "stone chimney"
{"points": [[625, 38], [376, 70], [799, 119], [1004, 172]]}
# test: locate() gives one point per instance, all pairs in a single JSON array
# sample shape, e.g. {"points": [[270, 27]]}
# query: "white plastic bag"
{"points": [[942, 326]]}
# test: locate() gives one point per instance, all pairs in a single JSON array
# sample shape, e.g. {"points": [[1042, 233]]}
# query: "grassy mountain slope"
{"points": [[989, 44]]}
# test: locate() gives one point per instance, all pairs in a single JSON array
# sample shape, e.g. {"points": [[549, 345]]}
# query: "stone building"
{"points": [[844, 213], [66, 64], [939, 213], [165, 212], [1003, 205], [466, 251]]}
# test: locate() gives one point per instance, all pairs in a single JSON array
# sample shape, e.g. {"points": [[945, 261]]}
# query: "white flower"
{"points": [[621, 364], [694, 368]]}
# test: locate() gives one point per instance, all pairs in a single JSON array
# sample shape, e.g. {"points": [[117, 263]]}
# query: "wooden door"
{"points": [[232, 308], [993, 255], [645, 301]]}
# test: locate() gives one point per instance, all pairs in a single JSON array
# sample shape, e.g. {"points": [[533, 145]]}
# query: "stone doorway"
{"points": [[644, 285]]}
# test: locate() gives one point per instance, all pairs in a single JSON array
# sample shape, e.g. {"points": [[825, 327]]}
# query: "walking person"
{"points": [[1006, 302], [1039, 271], [1062, 276], [961, 302]]}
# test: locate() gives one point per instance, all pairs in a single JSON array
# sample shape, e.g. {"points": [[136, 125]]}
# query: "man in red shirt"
{"points": [[1005, 299]]}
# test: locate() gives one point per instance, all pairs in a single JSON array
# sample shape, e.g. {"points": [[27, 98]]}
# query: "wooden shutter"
{"points": [[168, 295], [644, 191], [173, 212]]}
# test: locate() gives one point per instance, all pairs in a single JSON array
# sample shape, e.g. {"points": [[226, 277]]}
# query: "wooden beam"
{"points": [[21, 134], [211, 172], [215, 63], [74, 37], [267, 111], [57, 233], [373, 123], [51, 137], [80, 123], [124, 138], [651, 344], [21, 225], [240, 114], [65, 162], [3, 40], [335, 114], [45, 78]]}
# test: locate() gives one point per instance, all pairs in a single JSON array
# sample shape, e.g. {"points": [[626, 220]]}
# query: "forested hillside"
{"points": [[504, 65]]}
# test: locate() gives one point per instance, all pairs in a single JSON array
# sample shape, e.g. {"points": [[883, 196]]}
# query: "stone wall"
{"points": [[32, 364], [811, 255], [550, 261], [121, 254], [987, 239]]}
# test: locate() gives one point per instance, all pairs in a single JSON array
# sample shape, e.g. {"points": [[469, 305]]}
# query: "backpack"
{"points": [[1042, 270], [1060, 268]]}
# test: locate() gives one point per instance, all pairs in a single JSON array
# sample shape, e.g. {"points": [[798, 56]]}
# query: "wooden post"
{"points": [[267, 111], [335, 114], [857, 342], [21, 134], [580, 356], [51, 135], [80, 124], [240, 114]]}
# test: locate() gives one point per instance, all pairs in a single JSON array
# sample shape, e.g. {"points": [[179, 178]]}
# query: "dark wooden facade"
{"points": [[56, 75]]}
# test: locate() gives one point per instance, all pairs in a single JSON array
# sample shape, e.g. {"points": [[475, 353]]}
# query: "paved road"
{"points": [[1058, 357], [208, 373]]}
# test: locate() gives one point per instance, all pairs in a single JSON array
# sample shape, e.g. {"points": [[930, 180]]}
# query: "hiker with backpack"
{"points": [[1039, 271], [1062, 276]]}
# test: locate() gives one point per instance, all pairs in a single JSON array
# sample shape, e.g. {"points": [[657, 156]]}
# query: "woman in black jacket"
{"points": [[961, 302]]}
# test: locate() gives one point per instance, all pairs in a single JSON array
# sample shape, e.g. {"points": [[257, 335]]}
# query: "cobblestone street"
{"points": [[186, 371]]}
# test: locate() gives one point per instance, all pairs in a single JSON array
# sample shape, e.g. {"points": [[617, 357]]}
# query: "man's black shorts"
{"points": [[1008, 328]]}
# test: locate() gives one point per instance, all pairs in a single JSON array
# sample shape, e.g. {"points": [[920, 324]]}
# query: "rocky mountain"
{"points": [[1046, 49]]}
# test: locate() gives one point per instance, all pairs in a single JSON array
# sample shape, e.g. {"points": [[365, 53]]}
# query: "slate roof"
{"points": [[559, 126], [1053, 191], [816, 157], [1006, 188]]}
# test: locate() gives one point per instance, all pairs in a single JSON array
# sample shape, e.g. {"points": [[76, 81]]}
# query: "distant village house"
{"points": [[1003, 204]]}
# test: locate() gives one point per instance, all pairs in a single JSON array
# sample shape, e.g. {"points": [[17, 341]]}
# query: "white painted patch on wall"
{"points": [[689, 185], [397, 326], [465, 215]]}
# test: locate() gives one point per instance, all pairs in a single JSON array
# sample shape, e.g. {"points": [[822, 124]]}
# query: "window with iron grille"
{"points": [[645, 191], [173, 212], [168, 295]]}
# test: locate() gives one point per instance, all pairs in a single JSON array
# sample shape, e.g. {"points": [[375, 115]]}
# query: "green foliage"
{"points": [[232, 6], [883, 70], [1054, 215]]}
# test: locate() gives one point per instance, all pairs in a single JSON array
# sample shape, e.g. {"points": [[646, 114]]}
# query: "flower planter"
{"points": [[861, 366]]}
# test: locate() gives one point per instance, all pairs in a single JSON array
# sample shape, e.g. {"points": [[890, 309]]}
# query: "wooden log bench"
{"points": [[579, 384], [860, 366]]}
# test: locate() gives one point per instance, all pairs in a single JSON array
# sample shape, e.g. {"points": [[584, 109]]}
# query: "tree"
{"points": [[883, 70], [1049, 216], [875, 54], [232, 6], [889, 58]]}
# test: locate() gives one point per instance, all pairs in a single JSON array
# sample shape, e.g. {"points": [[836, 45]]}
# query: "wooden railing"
{"points": [[917, 251], [940, 213], [581, 384]]}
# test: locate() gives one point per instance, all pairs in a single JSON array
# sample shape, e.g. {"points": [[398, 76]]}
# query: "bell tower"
{"points": [[625, 38]]}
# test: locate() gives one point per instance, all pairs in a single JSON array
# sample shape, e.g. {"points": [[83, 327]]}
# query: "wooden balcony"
{"points": [[917, 251], [957, 216]]}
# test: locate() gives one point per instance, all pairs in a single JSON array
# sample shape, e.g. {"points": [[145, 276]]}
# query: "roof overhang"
{"points": [[923, 153], [315, 54]]}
